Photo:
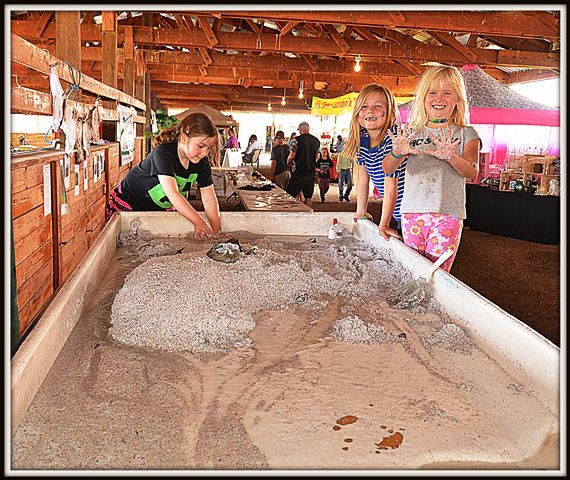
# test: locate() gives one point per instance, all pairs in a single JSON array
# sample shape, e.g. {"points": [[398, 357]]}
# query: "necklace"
{"points": [[438, 120]]}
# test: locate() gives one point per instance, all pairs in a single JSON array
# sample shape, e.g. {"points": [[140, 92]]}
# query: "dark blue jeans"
{"points": [[344, 177]]}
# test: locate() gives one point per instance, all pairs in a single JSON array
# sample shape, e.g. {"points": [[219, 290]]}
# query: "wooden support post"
{"points": [[129, 63], [68, 44], [109, 67], [68, 37], [147, 101], [139, 85]]}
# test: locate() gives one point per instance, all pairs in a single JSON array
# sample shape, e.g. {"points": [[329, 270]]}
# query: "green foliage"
{"points": [[163, 120]]}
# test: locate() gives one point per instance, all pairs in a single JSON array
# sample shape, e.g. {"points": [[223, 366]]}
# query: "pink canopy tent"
{"points": [[502, 116]]}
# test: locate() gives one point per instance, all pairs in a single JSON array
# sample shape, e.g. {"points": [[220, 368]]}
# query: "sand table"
{"points": [[289, 358]]}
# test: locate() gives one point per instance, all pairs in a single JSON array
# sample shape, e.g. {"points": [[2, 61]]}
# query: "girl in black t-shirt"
{"points": [[161, 182], [324, 165]]}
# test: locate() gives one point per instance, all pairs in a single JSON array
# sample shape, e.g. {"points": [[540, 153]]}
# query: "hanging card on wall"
{"points": [[47, 189], [76, 188]]}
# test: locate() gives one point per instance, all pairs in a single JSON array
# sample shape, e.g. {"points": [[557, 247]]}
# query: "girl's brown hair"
{"points": [[352, 146], [194, 125]]}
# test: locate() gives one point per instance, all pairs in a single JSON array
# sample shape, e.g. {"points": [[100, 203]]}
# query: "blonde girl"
{"points": [[182, 155], [442, 151], [374, 117]]}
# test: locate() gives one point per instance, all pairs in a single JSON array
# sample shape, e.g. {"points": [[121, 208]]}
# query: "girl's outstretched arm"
{"points": [[362, 190], [201, 228], [388, 205], [212, 207]]}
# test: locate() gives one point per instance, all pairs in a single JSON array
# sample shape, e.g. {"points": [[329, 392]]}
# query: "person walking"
{"points": [[304, 153], [280, 173], [324, 166], [344, 168]]}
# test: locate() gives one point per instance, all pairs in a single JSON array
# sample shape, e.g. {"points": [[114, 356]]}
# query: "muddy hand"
{"points": [[444, 145], [401, 140], [388, 232], [203, 232]]}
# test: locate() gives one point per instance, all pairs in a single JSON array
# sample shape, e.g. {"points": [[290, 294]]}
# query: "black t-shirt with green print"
{"points": [[141, 188]]}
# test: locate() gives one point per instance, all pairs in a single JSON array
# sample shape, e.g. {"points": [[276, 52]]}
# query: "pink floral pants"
{"points": [[431, 234]]}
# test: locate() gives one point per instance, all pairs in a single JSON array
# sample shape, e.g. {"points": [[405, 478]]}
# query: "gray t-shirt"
{"points": [[433, 185]]}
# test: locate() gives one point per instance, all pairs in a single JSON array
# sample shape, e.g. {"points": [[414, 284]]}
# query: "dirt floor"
{"points": [[523, 278]]}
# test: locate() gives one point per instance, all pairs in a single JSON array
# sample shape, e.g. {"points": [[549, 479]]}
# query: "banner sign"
{"points": [[334, 106]]}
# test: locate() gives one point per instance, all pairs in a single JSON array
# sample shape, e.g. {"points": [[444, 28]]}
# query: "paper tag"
{"points": [[85, 178], [47, 189], [76, 187]]}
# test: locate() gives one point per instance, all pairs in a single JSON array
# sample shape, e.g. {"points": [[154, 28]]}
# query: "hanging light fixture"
{"points": [[301, 85], [269, 107], [357, 67], [283, 101]]}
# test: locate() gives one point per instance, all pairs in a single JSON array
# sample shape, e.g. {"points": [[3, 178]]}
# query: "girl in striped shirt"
{"points": [[374, 116]]}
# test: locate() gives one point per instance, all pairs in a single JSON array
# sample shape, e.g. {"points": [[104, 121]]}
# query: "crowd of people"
{"points": [[418, 169]]}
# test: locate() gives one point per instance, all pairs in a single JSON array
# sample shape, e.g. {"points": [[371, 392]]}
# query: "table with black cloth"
{"points": [[534, 218]]}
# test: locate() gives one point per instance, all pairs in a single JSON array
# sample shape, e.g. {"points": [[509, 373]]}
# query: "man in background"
{"points": [[304, 152], [280, 173]]}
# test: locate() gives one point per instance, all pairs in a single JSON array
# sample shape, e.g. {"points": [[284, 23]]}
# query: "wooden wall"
{"points": [[48, 248]]}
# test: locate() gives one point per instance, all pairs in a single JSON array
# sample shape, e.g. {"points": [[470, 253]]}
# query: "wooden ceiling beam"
{"points": [[472, 40], [272, 79], [549, 20], [396, 37], [511, 43], [338, 38], [410, 67], [509, 23], [312, 46], [276, 63], [530, 76], [205, 55], [292, 67], [289, 26], [311, 62], [446, 39], [365, 34], [417, 52], [42, 23], [208, 31], [254, 26]]}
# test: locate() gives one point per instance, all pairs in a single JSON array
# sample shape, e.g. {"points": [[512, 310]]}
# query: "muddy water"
{"points": [[296, 400]]}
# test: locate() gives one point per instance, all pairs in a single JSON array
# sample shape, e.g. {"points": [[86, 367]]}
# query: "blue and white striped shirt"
{"points": [[372, 159]]}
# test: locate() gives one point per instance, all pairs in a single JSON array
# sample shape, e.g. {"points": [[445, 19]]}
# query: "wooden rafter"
{"points": [[192, 47], [365, 34], [205, 55], [339, 39], [255, 28], [43, 21], [447, 39], [208, 32], [510, 23], [472, 40], [289, 26]]}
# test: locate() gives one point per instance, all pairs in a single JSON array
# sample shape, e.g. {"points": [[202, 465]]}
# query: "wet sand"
{"points": [[298, 399]]}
